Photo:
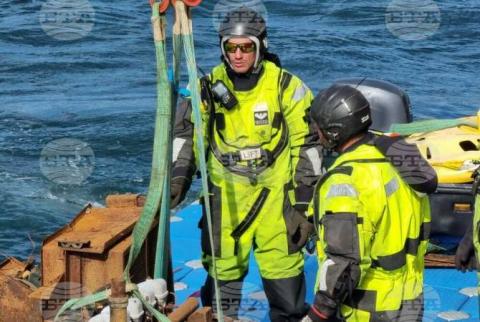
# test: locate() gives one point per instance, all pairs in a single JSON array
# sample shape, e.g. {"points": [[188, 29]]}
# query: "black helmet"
{"points": [[246, 22], [340, 112]]}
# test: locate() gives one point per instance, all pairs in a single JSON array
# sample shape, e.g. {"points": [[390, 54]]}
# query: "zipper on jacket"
{"points": [[248, 221]]}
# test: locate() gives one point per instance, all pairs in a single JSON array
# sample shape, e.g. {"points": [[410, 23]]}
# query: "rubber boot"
{"points": [[286, 298]]}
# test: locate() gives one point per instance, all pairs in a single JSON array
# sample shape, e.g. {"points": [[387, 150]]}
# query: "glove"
{"points": [[300, 228], [322, 309], [178, 189], [465, 256]]}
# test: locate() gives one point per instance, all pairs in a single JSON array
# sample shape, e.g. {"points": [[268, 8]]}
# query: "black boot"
{"points": [[286, 297]]}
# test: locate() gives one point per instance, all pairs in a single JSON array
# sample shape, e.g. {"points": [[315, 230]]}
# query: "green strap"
{"points": [[163, 264], [160, 149], [75, 304], [163, 238], [429, 126], [188, 45]]}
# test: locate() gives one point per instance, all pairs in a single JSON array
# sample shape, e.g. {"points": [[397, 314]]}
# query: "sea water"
{"points": [[77, 78]]}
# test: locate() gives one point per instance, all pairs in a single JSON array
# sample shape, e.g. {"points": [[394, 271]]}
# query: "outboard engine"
{"points": [[389, 103]]}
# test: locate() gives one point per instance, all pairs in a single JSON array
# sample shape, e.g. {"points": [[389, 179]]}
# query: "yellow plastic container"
{"points": [[452, 152]]}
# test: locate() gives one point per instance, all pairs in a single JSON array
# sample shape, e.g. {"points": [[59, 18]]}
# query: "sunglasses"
{"points": [[244, 48]]}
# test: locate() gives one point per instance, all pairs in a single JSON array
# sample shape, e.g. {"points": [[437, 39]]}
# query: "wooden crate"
{"points": [[94, 248]]}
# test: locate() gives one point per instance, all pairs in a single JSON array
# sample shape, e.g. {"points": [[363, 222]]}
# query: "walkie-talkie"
{"points": [[218, 90], [223, 95]]}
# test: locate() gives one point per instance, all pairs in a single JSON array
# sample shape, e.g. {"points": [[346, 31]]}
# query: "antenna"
{"points": [[360, 82]]}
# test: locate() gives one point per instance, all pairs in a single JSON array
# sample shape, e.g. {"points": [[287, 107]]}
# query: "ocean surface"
{"points": [[80, 76]]}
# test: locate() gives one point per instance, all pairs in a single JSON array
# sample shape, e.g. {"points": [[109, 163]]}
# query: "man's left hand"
{"points": [[304, 229]]}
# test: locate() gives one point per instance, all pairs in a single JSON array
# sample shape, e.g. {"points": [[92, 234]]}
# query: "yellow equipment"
{"points": [[453, 152]]}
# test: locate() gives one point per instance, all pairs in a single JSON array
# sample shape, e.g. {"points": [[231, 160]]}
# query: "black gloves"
{"points": [[299, 228], [322, 309], [178, 189], [465, 256]]}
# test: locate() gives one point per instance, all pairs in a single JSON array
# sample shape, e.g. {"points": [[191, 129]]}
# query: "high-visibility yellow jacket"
{"points": [[373, 231], [271, 119]]}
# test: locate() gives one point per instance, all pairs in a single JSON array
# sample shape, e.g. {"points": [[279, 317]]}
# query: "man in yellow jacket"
{"points": [[373, 225], [263, 161], [468, 251]]}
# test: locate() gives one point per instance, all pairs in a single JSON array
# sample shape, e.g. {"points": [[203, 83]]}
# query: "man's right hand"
{"points": [[178, 189], [465, 256]]}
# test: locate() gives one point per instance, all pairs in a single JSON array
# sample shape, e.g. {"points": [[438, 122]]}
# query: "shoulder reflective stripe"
{"points": [[300, 93], [178, 144], [398, 260], [364, 300], [316, 207], [314, 157], [392, 186], [322, 285], [342, 190]]}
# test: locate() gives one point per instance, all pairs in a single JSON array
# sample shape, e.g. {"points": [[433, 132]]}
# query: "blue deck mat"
{"points": [[442, 286]]}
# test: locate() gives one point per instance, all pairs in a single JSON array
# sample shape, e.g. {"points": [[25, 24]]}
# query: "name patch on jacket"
{"points": [[260, 114]]}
